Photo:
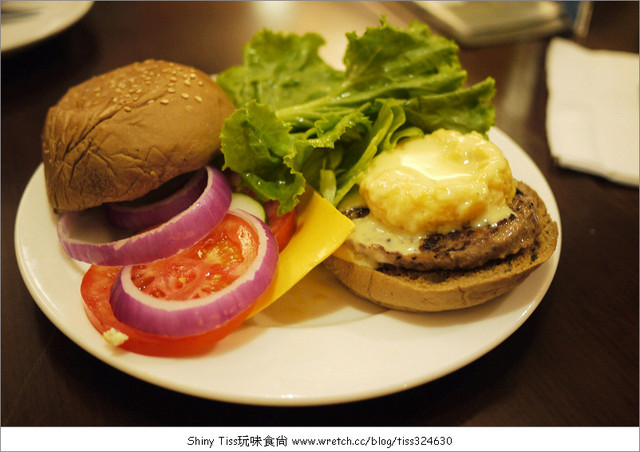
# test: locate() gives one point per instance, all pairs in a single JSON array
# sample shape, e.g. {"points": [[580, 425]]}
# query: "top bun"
{"points": [[122, 134]]}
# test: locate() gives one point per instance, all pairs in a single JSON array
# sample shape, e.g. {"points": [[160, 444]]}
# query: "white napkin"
{"points": [[593, 110]]}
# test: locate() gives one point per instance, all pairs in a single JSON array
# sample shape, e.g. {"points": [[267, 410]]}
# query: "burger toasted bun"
{"points": [[122, 134], [418, 291]]}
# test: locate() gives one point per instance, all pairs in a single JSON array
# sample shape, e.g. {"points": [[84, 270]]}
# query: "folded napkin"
{"points": [[593, 110]]}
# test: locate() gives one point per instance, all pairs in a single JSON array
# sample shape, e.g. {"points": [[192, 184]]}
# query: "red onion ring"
{"points": [[137, 218], [177, 234], [182, 318]]}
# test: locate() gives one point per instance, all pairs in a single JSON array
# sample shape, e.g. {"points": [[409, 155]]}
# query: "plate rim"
{"points": [[76, 11]]}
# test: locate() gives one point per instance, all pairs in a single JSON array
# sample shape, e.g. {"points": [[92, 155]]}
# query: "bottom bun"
{"points": [[431, 291]]}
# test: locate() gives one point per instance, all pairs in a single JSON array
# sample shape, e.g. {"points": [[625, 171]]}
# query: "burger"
{"points": [[441, 224], [121, 135]]}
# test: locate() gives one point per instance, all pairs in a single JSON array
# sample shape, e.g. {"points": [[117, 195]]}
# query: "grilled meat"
{"points": [[468, 247]]}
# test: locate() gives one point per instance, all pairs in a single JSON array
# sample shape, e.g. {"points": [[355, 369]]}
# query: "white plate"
{"points": [[44, 19], [317, 345]]}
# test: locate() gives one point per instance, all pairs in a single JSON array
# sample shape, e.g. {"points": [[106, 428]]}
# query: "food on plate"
{"points": [[199, 203], [132, 174], [119, 135], [309, 246], [186, 302], [300, 121], [441, 224]]}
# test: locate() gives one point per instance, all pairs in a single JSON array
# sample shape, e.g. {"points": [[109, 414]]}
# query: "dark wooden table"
{"points": [[573, 363]]}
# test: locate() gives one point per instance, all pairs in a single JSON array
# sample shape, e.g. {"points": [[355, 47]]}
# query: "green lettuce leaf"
{"points": [[259, 148], [300, 121], [280, 70]]}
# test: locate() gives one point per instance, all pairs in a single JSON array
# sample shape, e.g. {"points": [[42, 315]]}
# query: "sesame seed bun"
{"points": [[119, 135], [443, 290]]}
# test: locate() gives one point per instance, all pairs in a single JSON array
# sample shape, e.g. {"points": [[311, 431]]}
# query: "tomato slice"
{"points": [[211, 264], [207, 267], [282, 226]]}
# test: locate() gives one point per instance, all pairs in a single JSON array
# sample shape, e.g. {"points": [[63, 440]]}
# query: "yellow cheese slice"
{"points": [[320, 231]]}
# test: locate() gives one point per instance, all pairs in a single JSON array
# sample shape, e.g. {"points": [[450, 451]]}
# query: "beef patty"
{"points": [[468, 247]]}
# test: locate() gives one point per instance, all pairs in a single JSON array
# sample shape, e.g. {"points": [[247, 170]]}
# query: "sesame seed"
{"points": [[164, 101], [185, 96], [150, 101], [171, 89], [127, 108], [187, 82], [198, 98]]}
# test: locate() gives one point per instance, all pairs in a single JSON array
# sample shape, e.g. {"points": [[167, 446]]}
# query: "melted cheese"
{"points": [[321, 230], [438, 183]]}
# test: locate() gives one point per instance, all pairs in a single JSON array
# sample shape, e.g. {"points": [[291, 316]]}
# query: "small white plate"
{"points": [[317, 345], [37, 20]]}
